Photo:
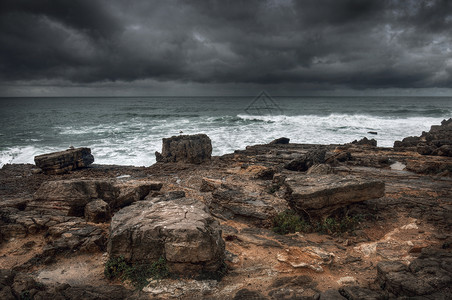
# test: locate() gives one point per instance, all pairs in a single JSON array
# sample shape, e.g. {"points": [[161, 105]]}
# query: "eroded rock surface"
{"points": [[69, 197], [185, 148], [182, 231], [64, 161], [320, 195]]}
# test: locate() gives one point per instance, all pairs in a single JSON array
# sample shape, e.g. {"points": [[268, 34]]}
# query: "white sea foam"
{"points": [[134, 142]]}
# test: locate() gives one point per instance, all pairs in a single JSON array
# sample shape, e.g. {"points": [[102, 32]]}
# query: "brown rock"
{"points": [[69, 197], [280, 141], [64, 161], [321, 195], [182, 231], [97, 211], [186, 148]]}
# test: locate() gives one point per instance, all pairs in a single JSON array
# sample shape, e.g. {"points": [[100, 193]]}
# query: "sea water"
{"points": [[128, 131]]}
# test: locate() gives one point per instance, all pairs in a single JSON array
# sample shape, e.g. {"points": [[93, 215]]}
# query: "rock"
{"points": [[97, 211], [321, 195], [306, 257], [64, 161], [182, 231], [231, 203], [438, 141], [209, 185], [320, 169], [365, 142], [186, 148], [280, 141], [331, 295], [245, 294], [304, 162], [347, 280], [428, 275], [265, 174], [360, 293], [373, 132], [69, 197]]}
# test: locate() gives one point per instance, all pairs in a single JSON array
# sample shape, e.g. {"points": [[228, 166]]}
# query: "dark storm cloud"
{"points": [[354, 44]]}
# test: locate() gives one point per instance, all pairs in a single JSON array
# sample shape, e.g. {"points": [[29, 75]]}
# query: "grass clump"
{"points": [[137, 275], [289, 222], [338, 224]]}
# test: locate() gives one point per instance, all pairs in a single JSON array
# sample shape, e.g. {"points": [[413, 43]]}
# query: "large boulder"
{"points": [[321, 195], [69, 197], [64, 161], [182, 231], [185, 148]]}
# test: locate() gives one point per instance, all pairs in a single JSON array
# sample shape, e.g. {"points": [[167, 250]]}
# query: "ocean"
{"points": [[127, 131]]}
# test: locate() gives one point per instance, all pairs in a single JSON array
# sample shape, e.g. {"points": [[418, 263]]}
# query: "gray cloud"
{"points": [[343, 44]]}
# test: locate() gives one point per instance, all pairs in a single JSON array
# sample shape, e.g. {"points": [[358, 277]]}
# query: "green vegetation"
{"points": [[137, 275], [289, 222]]}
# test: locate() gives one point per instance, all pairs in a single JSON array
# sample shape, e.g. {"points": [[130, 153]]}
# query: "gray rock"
{"points": [[321, 195], [280, 141], [64, 161], [185, 148], [181, 230]]}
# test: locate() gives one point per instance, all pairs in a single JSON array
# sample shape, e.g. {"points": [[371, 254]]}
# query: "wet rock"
{"points": [[304, 162], [280, 141], [64, 161], [182, 231], [365, 142], [186, 148], [69, 197], [321, 195], [97, 211]]}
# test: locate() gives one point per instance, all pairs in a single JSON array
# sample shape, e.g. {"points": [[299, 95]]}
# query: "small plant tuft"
{"points": [[289, 222], [137, 275]]}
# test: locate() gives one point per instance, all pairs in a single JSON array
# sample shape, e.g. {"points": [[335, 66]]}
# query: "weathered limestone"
{"points": [[185, 148], [64, 161], [321, 195], [69, 197], [182, 231], [97, 211], [438, 141]]}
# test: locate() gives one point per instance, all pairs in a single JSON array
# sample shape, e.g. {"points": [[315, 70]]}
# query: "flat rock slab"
{"points": [[321, 195], [69, 197], [64, 161], [182, 231]]}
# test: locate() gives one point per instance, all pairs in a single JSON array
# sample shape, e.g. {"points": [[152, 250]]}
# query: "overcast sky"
{"points": [[105, 48]]}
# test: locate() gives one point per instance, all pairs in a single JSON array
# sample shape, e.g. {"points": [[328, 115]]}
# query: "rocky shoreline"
{"points": [[272, 221]]}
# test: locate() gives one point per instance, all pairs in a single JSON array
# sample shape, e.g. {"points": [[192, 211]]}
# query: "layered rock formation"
{"points": [[64, 161], [185, 148], [438, 141], [321, 195], [182, 231], [69, 197]]}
